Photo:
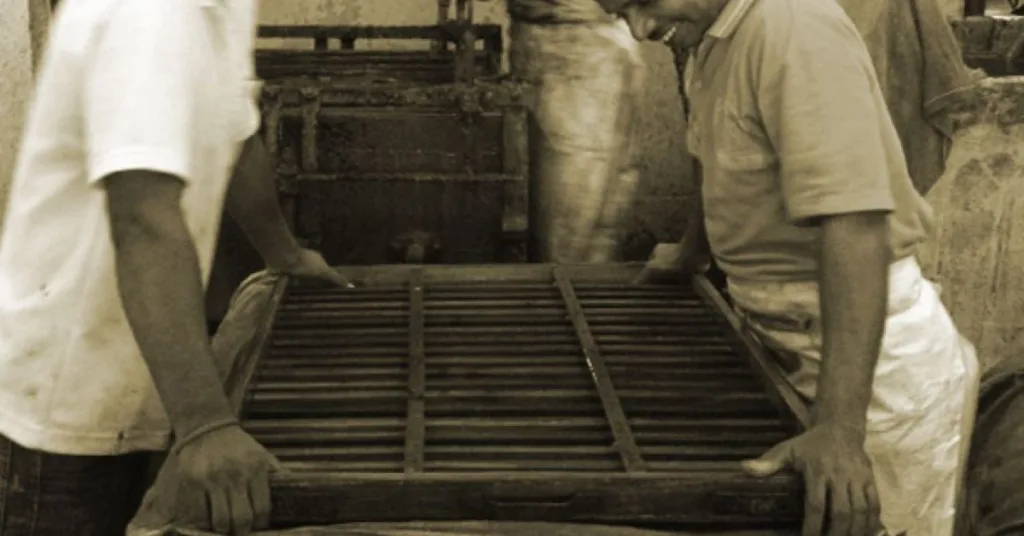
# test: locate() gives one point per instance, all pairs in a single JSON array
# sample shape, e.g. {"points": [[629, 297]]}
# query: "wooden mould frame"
{"points": [[710, 494]]}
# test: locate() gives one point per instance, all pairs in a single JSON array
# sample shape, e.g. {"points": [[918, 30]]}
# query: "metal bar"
{"points": [[415, 425], [415, 176], [370, 32], [778, 388], [443, 9], [272, 104], [625, 444], [310, 118], [335, 93]]}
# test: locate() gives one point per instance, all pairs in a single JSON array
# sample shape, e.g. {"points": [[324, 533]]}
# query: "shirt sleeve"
{"points": [[253, 86], [141, 90], [251, 116], [819, 105]]}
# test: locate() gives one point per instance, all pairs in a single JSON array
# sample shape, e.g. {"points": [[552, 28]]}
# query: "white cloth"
{"points": [[922, 407], [125, 84]]}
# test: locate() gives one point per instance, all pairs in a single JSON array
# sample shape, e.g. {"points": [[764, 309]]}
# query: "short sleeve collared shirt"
{"points": [[790, 126], [125, 85]]}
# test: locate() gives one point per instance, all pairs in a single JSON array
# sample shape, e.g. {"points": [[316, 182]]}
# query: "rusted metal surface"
{"points": [[366, 158], [454, 58], [518, 366], [361, 166]]}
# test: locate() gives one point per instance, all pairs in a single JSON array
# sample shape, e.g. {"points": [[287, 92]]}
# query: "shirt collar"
{"points": [[729, 18]]}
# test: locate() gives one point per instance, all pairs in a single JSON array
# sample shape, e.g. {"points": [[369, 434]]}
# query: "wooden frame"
{"points": [[708, 493]]}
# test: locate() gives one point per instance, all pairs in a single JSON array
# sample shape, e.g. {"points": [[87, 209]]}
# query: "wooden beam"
{"points": [[625, 444], [415, 421]]}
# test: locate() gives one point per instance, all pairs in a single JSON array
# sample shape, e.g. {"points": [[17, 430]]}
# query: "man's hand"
{"points": [[837, 476], [310, 264], [672, 264], [233, 471]]}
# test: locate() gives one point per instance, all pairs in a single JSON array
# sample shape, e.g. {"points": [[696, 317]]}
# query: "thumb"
{"points": [[333, 276], [275, 464], [771, 462]]}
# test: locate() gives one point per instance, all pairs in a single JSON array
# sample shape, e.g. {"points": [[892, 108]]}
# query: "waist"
{"points": [[802, 298]]}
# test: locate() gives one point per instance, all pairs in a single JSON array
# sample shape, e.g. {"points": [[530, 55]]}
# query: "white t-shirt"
{"points": [[125, 84]]}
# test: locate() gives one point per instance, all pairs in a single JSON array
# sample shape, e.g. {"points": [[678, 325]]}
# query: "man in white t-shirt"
{"points": [[142, 110]]}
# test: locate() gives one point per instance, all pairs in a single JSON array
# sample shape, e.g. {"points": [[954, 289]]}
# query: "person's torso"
{"points": [[743, 199], [68, 359], [556, 11]]}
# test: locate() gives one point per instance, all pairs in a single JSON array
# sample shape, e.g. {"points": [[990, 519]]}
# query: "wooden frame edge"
{"points": [[779, 389], [243, 370]]}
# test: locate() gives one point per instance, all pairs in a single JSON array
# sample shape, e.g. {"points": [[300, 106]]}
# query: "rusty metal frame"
{"points": [[460, 31], [308, 102]]}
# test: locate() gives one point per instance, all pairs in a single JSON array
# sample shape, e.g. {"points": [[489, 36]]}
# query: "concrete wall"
{"points": [[20, 40]]}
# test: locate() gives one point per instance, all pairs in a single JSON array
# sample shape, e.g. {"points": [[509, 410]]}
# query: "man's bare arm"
{"points": [[855, 258], [253, 203], [695, 237], [162, 293]]}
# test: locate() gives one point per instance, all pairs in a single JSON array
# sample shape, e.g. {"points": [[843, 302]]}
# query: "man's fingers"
{"points": [[861, 520], [778, 458], [332, 275], [241, 511], [841, 512], [259, 495], [643, 278], [874, 507], [814, 503], [220, 510], [275, 464]]}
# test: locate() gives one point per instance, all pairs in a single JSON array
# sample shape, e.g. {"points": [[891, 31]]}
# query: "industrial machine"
{"points": [[398, 156], [416, 153]]}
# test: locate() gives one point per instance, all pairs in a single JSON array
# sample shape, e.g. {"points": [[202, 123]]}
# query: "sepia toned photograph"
{"points": [[512, 267]]}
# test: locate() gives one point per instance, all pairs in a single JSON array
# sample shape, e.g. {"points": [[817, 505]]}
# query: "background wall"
{"points": [[16, 58]]}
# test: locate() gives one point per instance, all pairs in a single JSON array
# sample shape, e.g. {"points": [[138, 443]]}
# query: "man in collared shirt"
{"points": [[141, 112], [809, 210]]}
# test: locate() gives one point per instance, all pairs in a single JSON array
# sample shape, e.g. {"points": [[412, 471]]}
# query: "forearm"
{"points": [[695, 238], [253, 203], [854, 284], [162, 294]]}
